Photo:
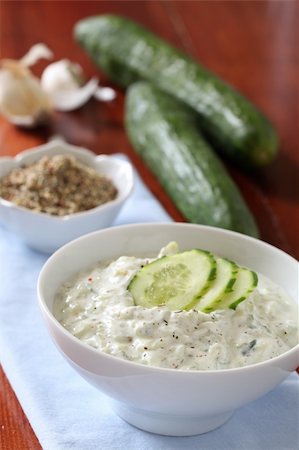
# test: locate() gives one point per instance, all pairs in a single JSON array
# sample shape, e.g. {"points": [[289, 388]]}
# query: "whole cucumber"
{"points": [[164, 133], [127, 52]]}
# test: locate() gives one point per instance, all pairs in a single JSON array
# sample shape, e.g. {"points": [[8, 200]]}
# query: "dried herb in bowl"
{"points": [[58, 185]]}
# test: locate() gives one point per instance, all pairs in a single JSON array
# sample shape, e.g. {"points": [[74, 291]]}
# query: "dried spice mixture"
{"points": [[57, 185]]}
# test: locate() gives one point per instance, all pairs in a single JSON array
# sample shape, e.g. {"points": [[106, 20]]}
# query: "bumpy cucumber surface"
{"points": [[128, 52], [164, 133]]}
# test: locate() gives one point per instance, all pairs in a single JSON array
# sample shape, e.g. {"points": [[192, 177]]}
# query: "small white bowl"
{"points": [[45, 232], [167, 401]]}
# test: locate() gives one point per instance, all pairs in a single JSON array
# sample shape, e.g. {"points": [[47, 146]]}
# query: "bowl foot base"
{"points": [[167, 424]]}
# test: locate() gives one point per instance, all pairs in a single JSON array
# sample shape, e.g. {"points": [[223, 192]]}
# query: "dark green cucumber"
{"points": [[164, 132], [127, 52]]}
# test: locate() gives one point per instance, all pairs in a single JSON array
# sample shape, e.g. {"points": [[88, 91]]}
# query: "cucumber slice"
{"points": [[245, 283], [175, 281], [223, 284]]}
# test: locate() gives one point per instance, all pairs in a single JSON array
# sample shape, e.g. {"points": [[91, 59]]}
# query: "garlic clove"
{"points": [[21, 95], [62, 76], [70, 100], [22, 100], [105, 94], [62, 80]]}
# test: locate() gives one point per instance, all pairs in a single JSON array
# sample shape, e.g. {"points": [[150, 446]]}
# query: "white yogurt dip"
{"points": [[96, 307]]}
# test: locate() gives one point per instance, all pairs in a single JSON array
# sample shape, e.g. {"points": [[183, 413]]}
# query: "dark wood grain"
{"points": [[253, 45]]}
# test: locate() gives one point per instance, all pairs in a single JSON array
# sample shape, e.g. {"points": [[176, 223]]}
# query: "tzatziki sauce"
{"points": [[96, 307]]}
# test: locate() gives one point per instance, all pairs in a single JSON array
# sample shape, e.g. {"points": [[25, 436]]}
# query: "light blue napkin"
{"points": [[66, 413]]}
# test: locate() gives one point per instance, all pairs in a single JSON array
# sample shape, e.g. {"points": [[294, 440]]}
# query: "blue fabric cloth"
{"points": [[67, 413]]}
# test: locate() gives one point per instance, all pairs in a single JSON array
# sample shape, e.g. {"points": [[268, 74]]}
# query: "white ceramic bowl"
{"points": [[168, 401], [45, 232]]}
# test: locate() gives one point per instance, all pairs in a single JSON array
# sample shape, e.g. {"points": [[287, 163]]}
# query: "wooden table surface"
{"points": [[253, 45]]}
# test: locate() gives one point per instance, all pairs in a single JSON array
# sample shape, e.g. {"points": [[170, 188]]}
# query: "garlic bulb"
{"points": [[63, 81], [22, 100]]}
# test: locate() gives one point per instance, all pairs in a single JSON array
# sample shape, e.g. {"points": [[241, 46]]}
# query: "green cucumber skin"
{"points": [[127, 52], [253, 286], [164, 133], [137, 283]]}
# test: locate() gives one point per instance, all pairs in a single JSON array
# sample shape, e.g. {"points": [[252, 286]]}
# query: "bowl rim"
{"points": [[67, 148], [138, 365]]}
